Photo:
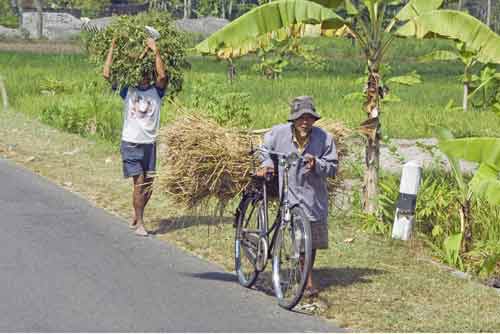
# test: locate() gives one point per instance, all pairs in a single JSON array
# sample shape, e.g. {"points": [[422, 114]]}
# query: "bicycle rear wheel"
{"points": [[292, 259], [248, 228]]}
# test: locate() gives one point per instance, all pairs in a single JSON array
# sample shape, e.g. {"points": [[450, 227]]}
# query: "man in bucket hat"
{"points": [[307, 182]]}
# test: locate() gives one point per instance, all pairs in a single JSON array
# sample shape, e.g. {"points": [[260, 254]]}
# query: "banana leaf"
{"points": [[486, 151], [485, 183], [339, 4], [445, 135], [459, 26], [409, 79], [239, 36], [439, 55], [482, 150], [417, 7]]}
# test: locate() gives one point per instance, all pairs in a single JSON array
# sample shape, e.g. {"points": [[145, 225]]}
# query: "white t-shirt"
{"points": [[141, 113]]}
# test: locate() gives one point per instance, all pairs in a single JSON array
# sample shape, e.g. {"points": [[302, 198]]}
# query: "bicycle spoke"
{"points": [[247, 241], [291, 263]]}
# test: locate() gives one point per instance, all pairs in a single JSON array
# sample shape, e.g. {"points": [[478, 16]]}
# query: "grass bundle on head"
{"points": [[201, 161], [131, 35]]}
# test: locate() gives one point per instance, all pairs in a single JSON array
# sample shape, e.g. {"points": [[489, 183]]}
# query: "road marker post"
{"points": [[407, 201]]}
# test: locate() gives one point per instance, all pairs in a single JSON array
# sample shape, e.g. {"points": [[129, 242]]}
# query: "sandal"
{"points": [[311, 292], [141, 231]]}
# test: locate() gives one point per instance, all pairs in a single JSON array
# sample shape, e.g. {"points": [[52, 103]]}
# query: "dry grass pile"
{"points": [[200, 160]]}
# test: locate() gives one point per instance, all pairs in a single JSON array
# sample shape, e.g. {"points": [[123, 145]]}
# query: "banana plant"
{"points": [[466, 56], [476, 42], [487, 88], [373, 28], [485, 183]]}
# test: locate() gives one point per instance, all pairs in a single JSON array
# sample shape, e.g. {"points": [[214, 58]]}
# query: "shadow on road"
{"points": [[325, 278], [216, 276], [165, 226]]}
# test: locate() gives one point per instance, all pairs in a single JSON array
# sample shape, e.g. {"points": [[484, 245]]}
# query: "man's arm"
{"points": [[267, 164], [106, 71], [327, 164], [161, 76]]}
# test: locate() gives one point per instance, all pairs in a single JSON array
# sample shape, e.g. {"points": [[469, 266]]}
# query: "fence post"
{"points": [[3, 93], [407, 201]]}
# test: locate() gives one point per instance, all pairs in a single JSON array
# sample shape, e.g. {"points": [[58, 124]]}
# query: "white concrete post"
{"points": [[405, 208]]}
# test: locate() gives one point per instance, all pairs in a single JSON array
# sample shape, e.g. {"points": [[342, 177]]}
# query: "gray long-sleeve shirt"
{"points": [[306, 188]]}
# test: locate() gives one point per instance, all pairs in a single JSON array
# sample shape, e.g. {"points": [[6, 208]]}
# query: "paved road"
{"points": [[67, 266]]}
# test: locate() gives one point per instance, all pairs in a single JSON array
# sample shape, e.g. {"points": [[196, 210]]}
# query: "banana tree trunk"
{"points": [[223, 9], [465, 102], [370, 128], [466, 226]]}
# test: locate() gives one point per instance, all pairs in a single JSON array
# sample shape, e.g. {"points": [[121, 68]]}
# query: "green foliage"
{"points": [[228, 109], [486, 151], [486, 89], [7, 16], [80, 108], [127, 68], [451, 247]]}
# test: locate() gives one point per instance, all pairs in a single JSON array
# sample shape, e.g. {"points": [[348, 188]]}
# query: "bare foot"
{"points": [[141, 231], [133, 224]]}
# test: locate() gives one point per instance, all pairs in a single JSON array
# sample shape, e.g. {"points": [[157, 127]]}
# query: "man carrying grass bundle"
{"points": [[141, 121], [307, 182]]}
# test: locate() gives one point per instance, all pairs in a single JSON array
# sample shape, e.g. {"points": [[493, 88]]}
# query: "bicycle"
{"points": [[288, 241]]}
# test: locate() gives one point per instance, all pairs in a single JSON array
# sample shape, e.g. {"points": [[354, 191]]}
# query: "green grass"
{"points": [[421, 106]]}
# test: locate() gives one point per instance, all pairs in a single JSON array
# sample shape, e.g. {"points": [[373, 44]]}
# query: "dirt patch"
{"points": [[44, 47]]}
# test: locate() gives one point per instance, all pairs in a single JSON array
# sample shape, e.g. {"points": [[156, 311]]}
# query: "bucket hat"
{"points": [[302, 105]]}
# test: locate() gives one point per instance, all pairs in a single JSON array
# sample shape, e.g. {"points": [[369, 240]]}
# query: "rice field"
{"points": [[38, 82]]}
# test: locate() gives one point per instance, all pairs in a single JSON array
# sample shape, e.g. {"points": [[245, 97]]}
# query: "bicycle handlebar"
{"points": [[288, 157]]}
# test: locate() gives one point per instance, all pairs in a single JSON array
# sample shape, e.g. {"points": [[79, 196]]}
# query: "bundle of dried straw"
{"points": [[200, 160]]}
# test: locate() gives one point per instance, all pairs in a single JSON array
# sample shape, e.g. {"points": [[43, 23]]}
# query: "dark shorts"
{"points": [[319, 232], [138, 159]]}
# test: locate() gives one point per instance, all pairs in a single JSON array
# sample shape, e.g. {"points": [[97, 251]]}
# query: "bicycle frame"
{"points": [[283, 216]]}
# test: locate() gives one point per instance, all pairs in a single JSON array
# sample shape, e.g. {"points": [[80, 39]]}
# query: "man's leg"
{"points": [[309, 283], [140, 199]]}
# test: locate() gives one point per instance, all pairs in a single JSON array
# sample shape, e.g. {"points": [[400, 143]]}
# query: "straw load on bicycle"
{"points": [[202, 161]]}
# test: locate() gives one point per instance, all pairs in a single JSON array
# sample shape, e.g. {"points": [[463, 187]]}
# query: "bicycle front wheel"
{"points": [[246, 246], [292, 259]]}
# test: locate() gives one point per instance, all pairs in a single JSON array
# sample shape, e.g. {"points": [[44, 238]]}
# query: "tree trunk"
{"points": [[39, 24], [488, 14], [231, 70], [187, 9], [14, 7], [460, 4], [466, 226], [223, 9], [465, 102], [370, 128], [230, 10]]}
